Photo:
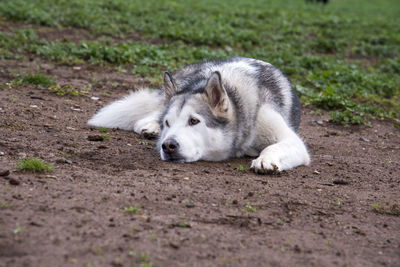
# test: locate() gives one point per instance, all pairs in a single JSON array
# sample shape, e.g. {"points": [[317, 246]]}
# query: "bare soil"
{"points": [[197, 214]]}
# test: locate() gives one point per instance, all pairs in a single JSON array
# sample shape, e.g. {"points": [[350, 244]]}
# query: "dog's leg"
{"points": [[287, 150], [149, 126], [139, 111]]}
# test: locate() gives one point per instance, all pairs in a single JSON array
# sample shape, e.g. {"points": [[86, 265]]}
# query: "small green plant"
{"points": [[34, 165], [103, 130], [145, 260], [64, 90], [5, 204], [132, 209], [203, 237], [153, 237], [260, 192], [86, 88], [248, 208], [132, 253], [241, 168], [100, 252], [39, 79], [17, 230], [339, 202], [183, 224], [393, 209], [74, 93], [106, 137], [346, 117], [144, 143]]}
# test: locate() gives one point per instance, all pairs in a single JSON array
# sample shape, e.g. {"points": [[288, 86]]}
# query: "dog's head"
{"points": [[195, 122]]}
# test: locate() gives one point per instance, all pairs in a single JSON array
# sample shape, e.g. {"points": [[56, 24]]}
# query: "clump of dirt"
{"points": [[202, 213]]}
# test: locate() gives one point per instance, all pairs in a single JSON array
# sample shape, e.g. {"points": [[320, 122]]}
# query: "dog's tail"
{"points": [[125, 112]]}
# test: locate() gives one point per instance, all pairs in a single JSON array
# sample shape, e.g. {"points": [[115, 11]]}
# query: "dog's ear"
{"points": [[216, 95], [170, 87]]}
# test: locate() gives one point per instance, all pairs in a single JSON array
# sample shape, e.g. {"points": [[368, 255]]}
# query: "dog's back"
{"points": [[249, 82]]}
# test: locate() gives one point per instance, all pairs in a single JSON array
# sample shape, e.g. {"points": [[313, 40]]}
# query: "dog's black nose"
{"points": [[170, 146]]}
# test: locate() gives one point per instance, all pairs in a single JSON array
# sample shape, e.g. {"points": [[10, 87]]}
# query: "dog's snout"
{"points": [[170, 146]]}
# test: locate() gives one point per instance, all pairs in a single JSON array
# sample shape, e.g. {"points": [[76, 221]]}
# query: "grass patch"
{"points": [[64, 90], [103, 130], [241, 168], [249, 209], [5, 204], [38, 79], [34, 165], [393, 209], [183, 224], [132, 209]]}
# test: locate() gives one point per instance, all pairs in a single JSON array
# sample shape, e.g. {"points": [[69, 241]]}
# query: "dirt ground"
{"points": [[197, 214]]}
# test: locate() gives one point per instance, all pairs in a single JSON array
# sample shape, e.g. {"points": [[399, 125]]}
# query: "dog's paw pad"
{"points": [[149, 135], [150, 130], [264, 165]]}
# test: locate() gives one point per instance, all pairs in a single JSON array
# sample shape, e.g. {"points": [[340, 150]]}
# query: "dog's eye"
{"points": [[166, 123], [193, 121]]}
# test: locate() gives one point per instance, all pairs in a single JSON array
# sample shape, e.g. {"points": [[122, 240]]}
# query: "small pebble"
{"points": [[14, 181], [61, 160], [95, 138], [117, 262], [341, 181], [189, 205], [2, 153], [364, 139], [173, 245], [205, 171], [4, 173], [95, 98]]}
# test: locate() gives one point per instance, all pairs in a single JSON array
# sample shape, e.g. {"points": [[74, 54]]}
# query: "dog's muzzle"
{"points": [[170, 147]]}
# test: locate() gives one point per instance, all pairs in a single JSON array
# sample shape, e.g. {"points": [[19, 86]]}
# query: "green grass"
{"points": [[103, 130], [38, 79], [343, 57], [132, 209], [249, 209], [241, 168], [393, 209], [5, 204], [34, 165]]}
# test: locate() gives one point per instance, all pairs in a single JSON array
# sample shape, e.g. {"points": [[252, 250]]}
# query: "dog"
{"points": [[216, 110]]}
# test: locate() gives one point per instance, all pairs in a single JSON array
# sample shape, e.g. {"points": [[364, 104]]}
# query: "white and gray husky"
{"points": [[216, 110]]}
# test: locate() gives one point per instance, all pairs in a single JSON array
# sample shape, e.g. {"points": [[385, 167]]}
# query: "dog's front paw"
{"points": [[150, 130], [265, 164]]}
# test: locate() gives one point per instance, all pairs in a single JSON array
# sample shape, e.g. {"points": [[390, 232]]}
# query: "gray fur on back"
{"points": [[272, 86]]}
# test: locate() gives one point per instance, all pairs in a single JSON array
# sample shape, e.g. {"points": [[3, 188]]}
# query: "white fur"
{"points": [[196, 142], [286, 151], [139, 111]]}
